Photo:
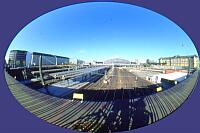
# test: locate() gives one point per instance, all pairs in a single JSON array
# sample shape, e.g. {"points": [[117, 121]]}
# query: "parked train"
{"points": [[20, 58]]}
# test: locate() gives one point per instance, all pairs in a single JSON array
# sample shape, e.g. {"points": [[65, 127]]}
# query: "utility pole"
{"points": [[40, 70]]}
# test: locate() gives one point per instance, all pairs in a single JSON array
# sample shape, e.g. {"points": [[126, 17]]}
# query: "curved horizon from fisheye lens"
{"points": [[101, 67]]}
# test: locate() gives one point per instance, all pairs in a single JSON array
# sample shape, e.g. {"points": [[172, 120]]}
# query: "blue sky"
{"points": [[104, 30]]}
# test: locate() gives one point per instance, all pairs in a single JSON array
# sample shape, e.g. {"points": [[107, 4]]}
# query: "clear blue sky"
{"points": [[103, 30]]}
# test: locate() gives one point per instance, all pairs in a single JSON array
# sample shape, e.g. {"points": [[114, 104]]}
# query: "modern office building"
{"points": [[74, 61], [20, 58], [47, 59], [17, 58], [62, 60], [191, 61]]}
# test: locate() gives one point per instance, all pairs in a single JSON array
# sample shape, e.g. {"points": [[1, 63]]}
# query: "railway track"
{"points": [[114, 108]]}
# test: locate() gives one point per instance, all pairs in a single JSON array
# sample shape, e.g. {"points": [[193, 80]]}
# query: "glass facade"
{"points": [[62, 60], [17, 58], [46, 59]]}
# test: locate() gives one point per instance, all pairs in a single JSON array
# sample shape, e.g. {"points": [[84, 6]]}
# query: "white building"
{"points": [[176, 76]]}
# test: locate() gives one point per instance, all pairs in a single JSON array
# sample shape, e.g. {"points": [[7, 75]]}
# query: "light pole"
{"points": [[189, 63], [40, 70]]}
